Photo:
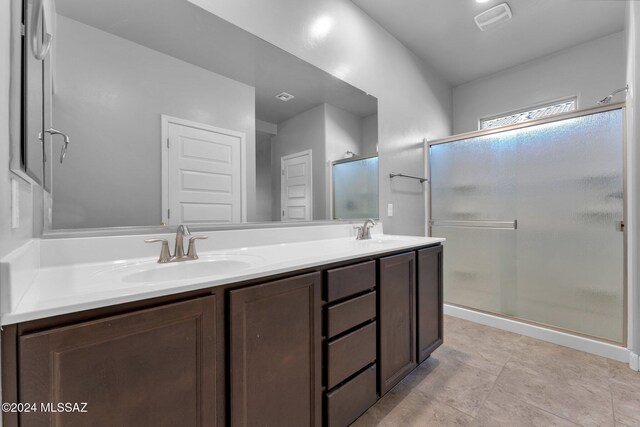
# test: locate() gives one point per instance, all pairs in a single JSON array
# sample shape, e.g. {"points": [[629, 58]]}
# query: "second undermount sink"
{"points": [[186, 270]]}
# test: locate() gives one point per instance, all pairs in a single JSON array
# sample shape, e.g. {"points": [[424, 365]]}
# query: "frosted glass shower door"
{"points": [[355, 188], [532, 217]]}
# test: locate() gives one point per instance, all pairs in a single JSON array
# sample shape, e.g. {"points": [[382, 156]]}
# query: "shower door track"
{"points": [[535, 122]]}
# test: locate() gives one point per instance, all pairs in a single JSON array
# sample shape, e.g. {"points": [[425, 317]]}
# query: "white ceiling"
{"points": [[186, 32], [444, 35]]}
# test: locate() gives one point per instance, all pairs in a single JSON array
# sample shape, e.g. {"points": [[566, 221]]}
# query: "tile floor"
{"points": [[483, 376]]}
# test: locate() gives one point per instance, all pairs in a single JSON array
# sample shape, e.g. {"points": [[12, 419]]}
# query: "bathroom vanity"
{"points": [[308, 339]]}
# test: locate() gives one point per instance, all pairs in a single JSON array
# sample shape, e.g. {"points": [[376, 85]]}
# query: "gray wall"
{"points": [[306, 131], [413, 101], [590, 70], [264, 170], [343, 132], [110, 100], [369, 134]]}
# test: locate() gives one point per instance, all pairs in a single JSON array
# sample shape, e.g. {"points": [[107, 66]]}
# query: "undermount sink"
{"points": [[186, 270]]}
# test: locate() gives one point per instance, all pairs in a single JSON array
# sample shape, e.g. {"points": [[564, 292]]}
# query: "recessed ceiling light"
{"points": [[481, 1], [284, 96]]}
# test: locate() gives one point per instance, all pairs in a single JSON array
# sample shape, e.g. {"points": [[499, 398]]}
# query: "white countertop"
{"points": [[55, 290]]}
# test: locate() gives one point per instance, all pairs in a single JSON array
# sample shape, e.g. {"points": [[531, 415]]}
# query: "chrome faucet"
{"points": [[364, 231], [178, 252]]}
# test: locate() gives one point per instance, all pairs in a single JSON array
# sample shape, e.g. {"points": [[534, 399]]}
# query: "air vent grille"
{"points": [[284, 96], [493, 16]]}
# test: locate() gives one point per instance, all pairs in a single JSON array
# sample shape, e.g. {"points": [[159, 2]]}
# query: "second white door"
{"points": [[297, 192]]}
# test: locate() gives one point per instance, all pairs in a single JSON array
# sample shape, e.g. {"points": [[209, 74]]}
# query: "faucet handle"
{"points": [[165, 255], [359, 232], [191, 252]]}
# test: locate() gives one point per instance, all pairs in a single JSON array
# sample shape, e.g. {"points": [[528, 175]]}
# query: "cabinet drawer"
{"points": [[345, 404], [346, 315], [348, 354], [345, 281]]}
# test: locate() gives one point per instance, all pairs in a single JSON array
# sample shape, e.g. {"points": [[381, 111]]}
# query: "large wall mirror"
{"points": [[172, 115]]}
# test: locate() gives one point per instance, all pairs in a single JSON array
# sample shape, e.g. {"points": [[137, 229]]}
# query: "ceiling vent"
{"points": [[284, 96], [493, 16]]}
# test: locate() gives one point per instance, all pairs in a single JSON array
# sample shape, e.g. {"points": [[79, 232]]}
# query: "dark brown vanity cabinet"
{"points": [[275, 353], [429, 301], [396, 319], [154, 367], [303, 349]]}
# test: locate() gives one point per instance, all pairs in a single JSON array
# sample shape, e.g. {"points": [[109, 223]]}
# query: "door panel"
{"points": [[296, 187], [429, 301], [275, 353], [161, 366], [397, 319], [204, 175]]}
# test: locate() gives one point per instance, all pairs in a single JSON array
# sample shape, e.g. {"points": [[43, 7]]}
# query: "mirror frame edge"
{"points": [[160, 229], [17, 165]]}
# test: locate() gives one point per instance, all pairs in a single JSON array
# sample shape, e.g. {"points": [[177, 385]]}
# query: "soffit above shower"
{"points": [[444, 35]]}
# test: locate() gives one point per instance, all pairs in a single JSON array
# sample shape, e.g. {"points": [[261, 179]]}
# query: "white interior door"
{"points": [[297, 194], [203, 173]]}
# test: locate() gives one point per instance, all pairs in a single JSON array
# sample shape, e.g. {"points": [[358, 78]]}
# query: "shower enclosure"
{"points": [[533, 216]]}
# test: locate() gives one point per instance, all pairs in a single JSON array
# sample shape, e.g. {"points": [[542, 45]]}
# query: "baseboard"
{"points": [[634, 361], [587, 345]]}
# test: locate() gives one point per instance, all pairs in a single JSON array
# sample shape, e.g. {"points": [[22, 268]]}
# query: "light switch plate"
{"points": [[15, 204], [390, 209]]}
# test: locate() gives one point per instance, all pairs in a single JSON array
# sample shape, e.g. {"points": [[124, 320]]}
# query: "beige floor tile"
{"points": [[404, 407], [485, 377], [503, 409], [460, 386], [619, 372], [584, 403], [478, 345], [626, 403], [573, 366]]}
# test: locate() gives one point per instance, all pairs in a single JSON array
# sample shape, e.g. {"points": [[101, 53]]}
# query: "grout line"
{"points": [[495, 383], [613, 408]]}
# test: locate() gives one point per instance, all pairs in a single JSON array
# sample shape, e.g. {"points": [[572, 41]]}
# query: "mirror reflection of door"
{"points": [[202, 173], [297, 195]]}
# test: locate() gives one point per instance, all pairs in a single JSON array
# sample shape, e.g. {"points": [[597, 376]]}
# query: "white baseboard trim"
{"points": [[587, 345], [634, 361]]}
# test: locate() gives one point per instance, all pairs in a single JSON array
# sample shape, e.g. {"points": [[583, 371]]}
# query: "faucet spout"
{"points": [[364, 232], [182, 231]]}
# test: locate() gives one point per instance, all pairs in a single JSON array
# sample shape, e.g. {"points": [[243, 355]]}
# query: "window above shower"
{"points": [[530, 113]]}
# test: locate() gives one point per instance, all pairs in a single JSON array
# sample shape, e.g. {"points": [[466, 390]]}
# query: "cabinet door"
{"points": [[275, 353], [397, 319], [429, 297], [155, 367]]}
